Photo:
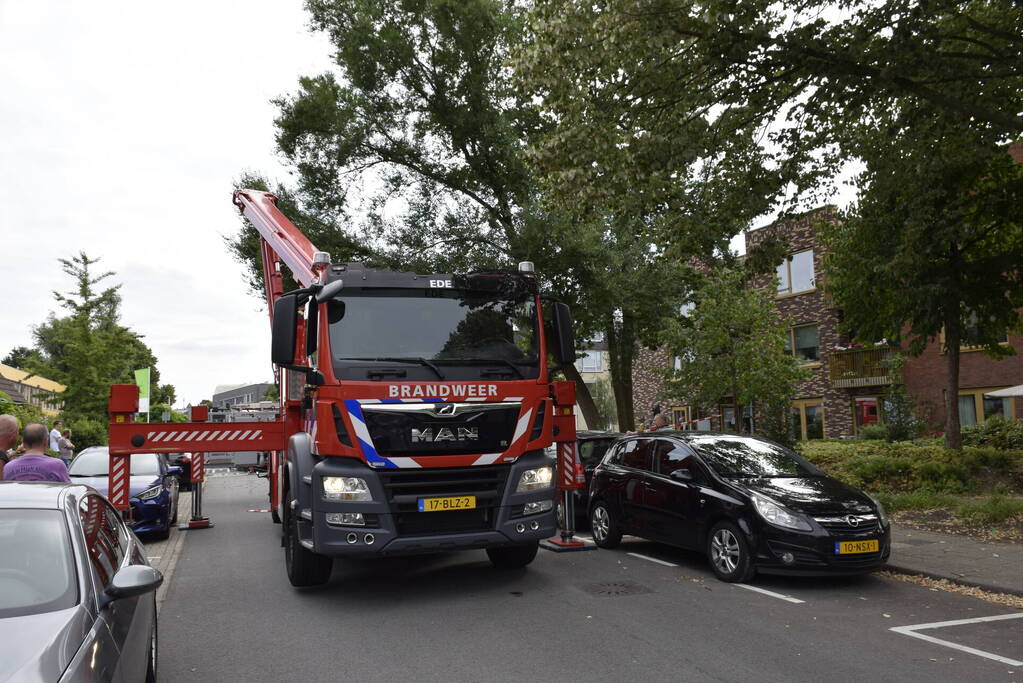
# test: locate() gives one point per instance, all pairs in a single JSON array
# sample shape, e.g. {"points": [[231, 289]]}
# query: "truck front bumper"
{"points": [[394, 527]]}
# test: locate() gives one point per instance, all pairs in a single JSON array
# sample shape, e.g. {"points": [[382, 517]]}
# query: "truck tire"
{"points": [[513, 557], [305, 568]]}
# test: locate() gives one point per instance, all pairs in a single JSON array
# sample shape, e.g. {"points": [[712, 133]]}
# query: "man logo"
{"points": [[445, 410], [445, 434]]}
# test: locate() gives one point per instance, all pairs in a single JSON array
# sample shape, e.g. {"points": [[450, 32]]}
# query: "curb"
{"points": [[989, 587]]}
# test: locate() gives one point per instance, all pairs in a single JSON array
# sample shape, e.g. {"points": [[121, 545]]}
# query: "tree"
{"points": [[420, 137], [933, 249], [733, 345], [88, 350], [20, 357], [272, 393]]}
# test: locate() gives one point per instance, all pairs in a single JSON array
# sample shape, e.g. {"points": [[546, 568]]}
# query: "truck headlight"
{"points": [[535, 479], [151, 492], [346, 488], [778, 516]]}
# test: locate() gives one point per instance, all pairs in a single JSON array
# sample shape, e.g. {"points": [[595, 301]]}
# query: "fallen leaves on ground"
{"points": [[1014, 601]]}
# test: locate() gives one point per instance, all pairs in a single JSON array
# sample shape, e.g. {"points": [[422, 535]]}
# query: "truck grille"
{"points": [[416, 430], [404, 488]]}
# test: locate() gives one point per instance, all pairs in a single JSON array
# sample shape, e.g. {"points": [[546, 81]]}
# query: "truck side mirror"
{"points": [[564, 338], [282, 338]]}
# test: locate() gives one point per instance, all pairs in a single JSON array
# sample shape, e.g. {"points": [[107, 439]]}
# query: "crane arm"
{"points": [[281, 241]]}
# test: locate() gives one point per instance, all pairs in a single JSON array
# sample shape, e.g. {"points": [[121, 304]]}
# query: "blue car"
{"points": [[153, 489]]}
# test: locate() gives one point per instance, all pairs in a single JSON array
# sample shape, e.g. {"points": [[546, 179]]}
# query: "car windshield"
{"points": [[96, 463], [742, 456], [36, 569], [430, 334]]}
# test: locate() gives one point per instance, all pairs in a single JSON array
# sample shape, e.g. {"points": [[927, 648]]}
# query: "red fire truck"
{"points": [[415, 409]]}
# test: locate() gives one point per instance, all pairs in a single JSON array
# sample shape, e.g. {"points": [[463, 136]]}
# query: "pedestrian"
{"points": [[34, 464], [660, 422], [67, 449], [8, 437], [55, 437]]}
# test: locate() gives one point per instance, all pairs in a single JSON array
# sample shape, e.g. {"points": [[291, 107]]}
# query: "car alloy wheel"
{"points": [[724, 551], [604, 528], [729, 553]]}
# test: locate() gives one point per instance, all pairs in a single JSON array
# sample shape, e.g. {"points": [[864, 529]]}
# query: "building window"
{"points": [[974, 407], [972, 332], [795, 273], [807, 419], [592, 361], [804, 341]]}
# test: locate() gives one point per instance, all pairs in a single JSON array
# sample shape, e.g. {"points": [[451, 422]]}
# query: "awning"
{"points": [[1006, 393]]}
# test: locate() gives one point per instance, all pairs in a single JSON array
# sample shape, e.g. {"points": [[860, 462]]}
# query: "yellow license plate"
{"points": [[451, 503], [852, 547]]}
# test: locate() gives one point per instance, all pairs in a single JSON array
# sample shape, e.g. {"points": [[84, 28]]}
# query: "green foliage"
{"points": [[995, 432], [874, 432], [913, 466], [20, 356], [994, 510], [916, 500], [732, 344], [604, 400], [272, 393], [87, 350]]}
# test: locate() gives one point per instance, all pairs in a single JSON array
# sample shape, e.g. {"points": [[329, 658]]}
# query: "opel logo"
{"points": [[445, 409], [853, 520]]}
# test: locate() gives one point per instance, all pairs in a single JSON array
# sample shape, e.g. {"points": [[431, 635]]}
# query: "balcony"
{"points": [[861, 368]]}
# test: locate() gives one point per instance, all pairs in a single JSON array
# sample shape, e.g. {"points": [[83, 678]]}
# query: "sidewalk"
{"points": [[163, 555], [996, 567]]}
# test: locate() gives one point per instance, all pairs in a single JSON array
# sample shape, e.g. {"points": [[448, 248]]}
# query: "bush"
{"points": [[996, 433], [874, 432], [916, 500], [921, 465]]}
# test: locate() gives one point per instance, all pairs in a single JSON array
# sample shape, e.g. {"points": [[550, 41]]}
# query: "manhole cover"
{"points": [[616, 588]]}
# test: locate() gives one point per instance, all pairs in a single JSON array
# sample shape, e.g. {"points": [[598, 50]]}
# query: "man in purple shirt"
{"points": [[34, 464]]}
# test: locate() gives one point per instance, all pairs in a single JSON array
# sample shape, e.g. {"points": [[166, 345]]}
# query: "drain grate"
{"points": [[616, 588]]}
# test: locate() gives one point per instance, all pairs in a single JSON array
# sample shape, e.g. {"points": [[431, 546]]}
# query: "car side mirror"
{"points": [[682, 474], [131, 582], [173, 469]]}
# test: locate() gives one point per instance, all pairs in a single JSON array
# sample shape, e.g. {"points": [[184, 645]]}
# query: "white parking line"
{"points": [[652, 559], [786, 598], [912, 631]]}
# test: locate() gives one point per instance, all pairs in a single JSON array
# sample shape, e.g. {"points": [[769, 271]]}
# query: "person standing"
{"points": [[55, 437], [660, 422], [34, 464], [8, 437], [66, 448]]}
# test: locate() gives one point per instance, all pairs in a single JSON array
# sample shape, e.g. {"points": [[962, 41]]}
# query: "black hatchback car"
{"points": [[748, 503]]}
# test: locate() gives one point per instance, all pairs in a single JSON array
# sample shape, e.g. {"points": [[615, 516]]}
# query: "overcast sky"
{"points": [[122, 128]]}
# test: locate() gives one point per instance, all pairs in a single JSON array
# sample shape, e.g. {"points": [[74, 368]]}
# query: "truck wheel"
{"points": [[305, 568], [513, 557]]}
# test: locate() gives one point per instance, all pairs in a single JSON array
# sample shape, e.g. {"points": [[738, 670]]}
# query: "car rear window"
{"points": [[743, 456], [36, 567]]}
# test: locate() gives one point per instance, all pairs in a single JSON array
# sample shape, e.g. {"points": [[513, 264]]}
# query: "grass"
{"points": [[995, 510], [917, 500]]}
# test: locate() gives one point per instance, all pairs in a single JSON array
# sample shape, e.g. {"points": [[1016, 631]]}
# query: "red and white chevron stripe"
{"points": [[570, 470], [120, 481], [207, 435]]}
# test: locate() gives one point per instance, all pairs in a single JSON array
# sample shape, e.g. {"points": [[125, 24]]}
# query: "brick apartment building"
{"points": [[847, 384]]}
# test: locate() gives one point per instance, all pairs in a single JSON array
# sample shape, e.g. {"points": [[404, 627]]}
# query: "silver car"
{"points": [[77, 596]]}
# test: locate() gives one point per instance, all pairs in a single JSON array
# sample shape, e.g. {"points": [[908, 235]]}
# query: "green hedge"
{"points": [[996, 433], [920, 465]]}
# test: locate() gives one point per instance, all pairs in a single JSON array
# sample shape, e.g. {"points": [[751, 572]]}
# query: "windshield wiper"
{"points": [[485, 361], [421, 361]]}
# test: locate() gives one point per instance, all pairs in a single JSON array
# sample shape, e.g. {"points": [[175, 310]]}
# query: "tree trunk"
{"points": [[953, 334], [583, 398], [621, 345]]}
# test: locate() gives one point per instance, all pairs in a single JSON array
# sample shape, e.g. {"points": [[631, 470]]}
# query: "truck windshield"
{"points": [[403, 334]]}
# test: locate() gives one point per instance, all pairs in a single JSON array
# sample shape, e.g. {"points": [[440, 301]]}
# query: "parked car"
{"points": [[184, 462], [153, 489], [748, 503], [77, 597], [592, 445]]}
